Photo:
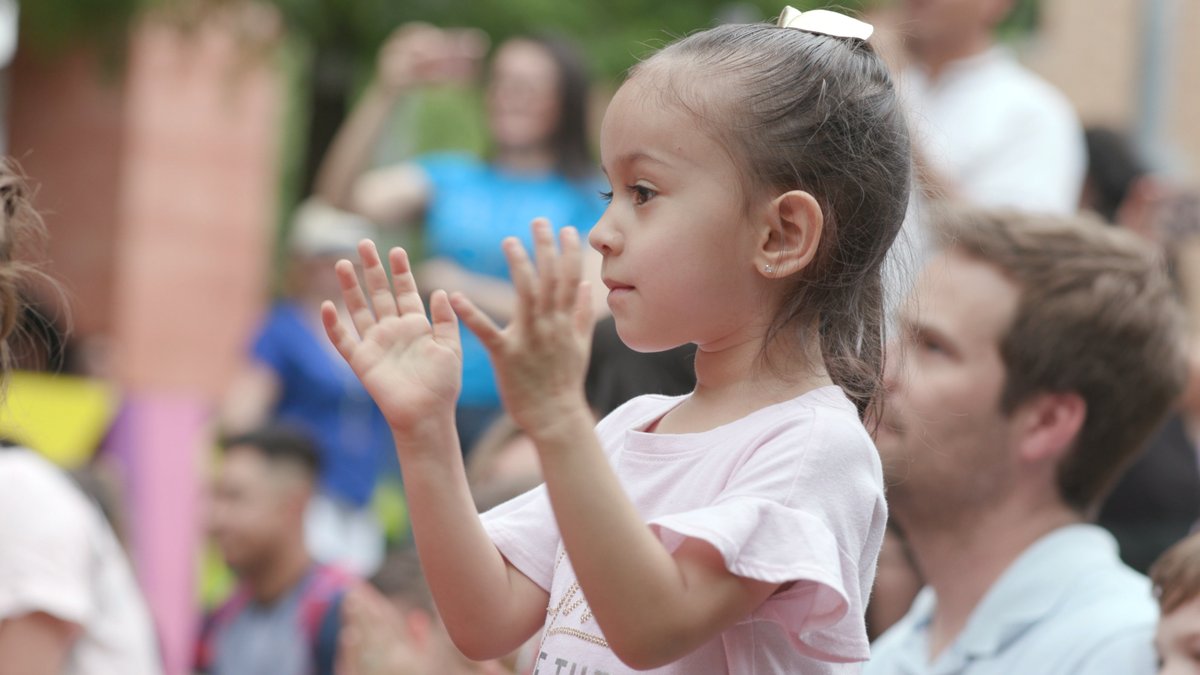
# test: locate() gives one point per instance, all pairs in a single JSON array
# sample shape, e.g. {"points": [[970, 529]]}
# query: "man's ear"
{"points": [[1141, 205], [791, 234], [1048, 426], [296, 492]]}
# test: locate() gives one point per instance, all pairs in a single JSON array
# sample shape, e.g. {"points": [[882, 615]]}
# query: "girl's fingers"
{"points": [[352, 295], [480, 324], [445, 322], [584, 323], [376, 280], [521, 270], [547, 268], [408, 298], [570, 269], [338, 335]]}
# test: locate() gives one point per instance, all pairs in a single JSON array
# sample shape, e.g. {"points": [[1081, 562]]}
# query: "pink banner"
{"points": [[161, 440]]}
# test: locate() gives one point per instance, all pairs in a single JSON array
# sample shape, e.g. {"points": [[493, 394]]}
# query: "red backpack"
{"points": [[320, 605]]}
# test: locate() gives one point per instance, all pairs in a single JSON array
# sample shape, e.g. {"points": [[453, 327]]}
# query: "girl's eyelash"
{"points": [[642, 194]]}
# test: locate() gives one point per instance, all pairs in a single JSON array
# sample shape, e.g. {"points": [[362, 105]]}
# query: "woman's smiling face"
{"points": [[524, 98]]}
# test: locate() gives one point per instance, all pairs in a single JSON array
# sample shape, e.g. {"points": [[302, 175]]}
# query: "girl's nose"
{"points": [[604, 236]]}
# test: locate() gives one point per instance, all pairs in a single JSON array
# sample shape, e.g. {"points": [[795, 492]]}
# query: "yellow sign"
{"points": [[61, 416]]}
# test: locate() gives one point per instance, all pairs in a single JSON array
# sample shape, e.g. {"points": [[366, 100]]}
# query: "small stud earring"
{"points": [[768, 269]]}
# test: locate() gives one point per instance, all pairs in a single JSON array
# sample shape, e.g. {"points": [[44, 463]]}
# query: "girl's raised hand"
{"points": [[410, 366], [540, 358]]}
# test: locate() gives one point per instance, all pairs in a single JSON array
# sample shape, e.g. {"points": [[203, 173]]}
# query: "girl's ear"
{"points": [[791, 234]]}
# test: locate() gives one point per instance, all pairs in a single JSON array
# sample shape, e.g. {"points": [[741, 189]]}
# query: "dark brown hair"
{"points": [[569, 140], [1176, 575], [1096, 316], [280, 445], [20, 227], [805, 111]]}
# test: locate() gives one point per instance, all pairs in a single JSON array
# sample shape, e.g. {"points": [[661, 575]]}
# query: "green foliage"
{"points": [[1021, 21], [52, 25], [613, 33]]}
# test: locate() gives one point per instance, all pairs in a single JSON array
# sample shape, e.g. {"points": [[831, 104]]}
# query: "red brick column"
{"points": [[159, 188], [196, 211]]}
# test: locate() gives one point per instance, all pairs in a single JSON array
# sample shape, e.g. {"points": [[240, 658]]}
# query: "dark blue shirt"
{"points": [[322, 395]]}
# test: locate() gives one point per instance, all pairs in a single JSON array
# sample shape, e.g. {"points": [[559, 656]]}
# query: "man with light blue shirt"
{"points": [[1039, 354]]}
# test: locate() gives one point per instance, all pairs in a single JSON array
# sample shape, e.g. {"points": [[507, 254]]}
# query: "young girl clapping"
{"points": [[759, 175]]}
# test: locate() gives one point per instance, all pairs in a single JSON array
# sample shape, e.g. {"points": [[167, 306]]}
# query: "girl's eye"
{"points": [[641, 194]]}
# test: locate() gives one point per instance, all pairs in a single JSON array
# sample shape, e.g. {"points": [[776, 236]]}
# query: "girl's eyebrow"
{"points": [[637, 156]]}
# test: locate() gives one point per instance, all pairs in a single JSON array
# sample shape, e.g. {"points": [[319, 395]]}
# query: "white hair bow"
{"points": [[825, 22]]}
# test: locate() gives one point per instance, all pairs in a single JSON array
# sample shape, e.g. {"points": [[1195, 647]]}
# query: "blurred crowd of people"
{"points": [[1039, 433]]}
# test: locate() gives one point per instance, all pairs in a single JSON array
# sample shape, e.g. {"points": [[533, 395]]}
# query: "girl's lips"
{"points": [[617, 290], [617, 286]]}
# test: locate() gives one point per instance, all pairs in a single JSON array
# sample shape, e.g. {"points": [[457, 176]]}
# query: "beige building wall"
{"points": [[1091, 49]]}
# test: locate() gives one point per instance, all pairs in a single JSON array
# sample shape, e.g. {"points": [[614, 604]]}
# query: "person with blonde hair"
{"points": [[69, 603]]}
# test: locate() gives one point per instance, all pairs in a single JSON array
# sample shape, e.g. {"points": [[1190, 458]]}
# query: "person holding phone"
{"points": [[539, 165]]}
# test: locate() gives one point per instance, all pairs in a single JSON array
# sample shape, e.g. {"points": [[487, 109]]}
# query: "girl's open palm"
{"points": [[410, 365], [541, 356]]}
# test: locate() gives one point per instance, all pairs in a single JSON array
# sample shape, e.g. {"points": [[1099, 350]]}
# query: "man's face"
{"points": [[946, 446], [932, 23], [253, 507]]}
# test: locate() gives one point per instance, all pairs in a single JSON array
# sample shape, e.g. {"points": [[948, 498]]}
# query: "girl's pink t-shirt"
{"points": [[791, 493]]}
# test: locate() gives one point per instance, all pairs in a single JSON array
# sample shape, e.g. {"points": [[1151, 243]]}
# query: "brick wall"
{"points": [[158, 182]]}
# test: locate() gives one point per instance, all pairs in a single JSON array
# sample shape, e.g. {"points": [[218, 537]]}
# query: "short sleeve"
{"points": [[270, 343], [524, 528], [447, 168], [805, 509], [525, 532], [45, 541]]}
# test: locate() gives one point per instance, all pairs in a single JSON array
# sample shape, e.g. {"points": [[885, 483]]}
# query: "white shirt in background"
{"points": [[999, 134], [59, 556]]}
